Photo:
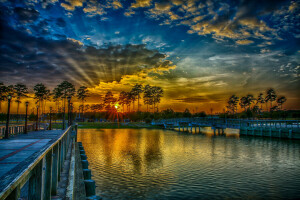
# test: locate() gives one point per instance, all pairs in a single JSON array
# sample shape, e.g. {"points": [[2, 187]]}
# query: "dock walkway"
{"points": [[17, 150], [22, 157]]}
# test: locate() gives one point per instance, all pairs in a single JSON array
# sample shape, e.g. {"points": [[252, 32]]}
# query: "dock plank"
{"points": [[18, 152]]}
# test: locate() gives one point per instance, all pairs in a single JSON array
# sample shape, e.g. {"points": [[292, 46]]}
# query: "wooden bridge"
{"points": [[43, 165], [273, 128]]}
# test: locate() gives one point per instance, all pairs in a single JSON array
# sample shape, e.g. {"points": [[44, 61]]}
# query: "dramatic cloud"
{"points": [[199, 52], [38, 59]]}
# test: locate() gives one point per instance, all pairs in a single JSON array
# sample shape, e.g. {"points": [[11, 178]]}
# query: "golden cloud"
{"points": [[71, 4], [141, 3], [244, 42], [75, 41], [93, 10]]}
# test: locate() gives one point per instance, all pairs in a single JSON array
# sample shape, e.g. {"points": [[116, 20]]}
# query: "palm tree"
{"points": [[281, 100], [82, 94], [271, 96], [136, 91], [250, 100], [261, 100], [232, 103], [21, 91], [243, 103]]}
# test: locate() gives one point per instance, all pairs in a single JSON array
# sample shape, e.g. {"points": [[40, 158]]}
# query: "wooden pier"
{"points": [[40, 165], [266, 128]]}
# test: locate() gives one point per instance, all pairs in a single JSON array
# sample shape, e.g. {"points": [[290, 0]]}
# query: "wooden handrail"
{"points": [[25, 175]]}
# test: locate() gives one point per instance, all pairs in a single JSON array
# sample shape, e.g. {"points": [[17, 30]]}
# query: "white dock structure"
{"points": [[268, 128]]}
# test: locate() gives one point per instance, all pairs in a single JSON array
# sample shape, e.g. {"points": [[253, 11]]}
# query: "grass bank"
{"points": [[113, 125]]}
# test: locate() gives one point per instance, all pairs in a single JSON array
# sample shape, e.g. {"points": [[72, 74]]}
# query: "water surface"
{"points": [[162, 164]]}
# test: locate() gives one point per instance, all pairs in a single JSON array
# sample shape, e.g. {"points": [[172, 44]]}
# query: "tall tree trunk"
{"points": [[132, 106], [138, 103], [18, 111]]}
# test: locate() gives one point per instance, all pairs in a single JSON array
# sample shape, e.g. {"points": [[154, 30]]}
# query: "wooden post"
{"points": [[62, 154], [55, 170], [82, 152], [90, 187], [35, 182], [15, 194], [85, 164], [48, 176], [76, 130], [83, 156], [87, 174]]}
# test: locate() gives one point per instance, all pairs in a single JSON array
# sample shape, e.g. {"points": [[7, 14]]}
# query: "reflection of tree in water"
{"points": [[107, 140], [153, 156], [127, 163], [131, 149]]}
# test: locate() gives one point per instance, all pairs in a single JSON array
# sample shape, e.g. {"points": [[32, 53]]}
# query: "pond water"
{"points": [[163, 164]]}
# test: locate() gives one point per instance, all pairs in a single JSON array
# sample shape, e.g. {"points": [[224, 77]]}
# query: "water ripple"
{"points": [[157, 164]]}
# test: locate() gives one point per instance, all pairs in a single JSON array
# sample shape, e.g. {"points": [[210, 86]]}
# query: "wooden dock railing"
{"points": [[42, 174]]}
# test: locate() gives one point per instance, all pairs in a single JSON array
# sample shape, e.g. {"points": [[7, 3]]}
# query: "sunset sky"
{"points": [[199, 52]]}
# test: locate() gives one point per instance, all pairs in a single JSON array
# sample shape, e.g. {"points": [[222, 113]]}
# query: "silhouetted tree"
{"points": [[21, 91], [271, 96], [136, 91], [157, 93], [132, 97], [122, 99], [148, 96], [243, 103], [66, 89], [82, 94], [187, 113], [128, 100], [3, 94], [40, 93], [232, 103], [57, 93], [109, 100], [261, 100], [281, 100]]}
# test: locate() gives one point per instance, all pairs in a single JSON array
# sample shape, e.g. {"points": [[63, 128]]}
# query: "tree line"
{"points": [[255, 105], [151, 96], [60, 94]]}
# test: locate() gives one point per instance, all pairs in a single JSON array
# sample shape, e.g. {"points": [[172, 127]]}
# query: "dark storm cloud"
{"points": [[60, 22], [26, 15], [34, 59]]}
